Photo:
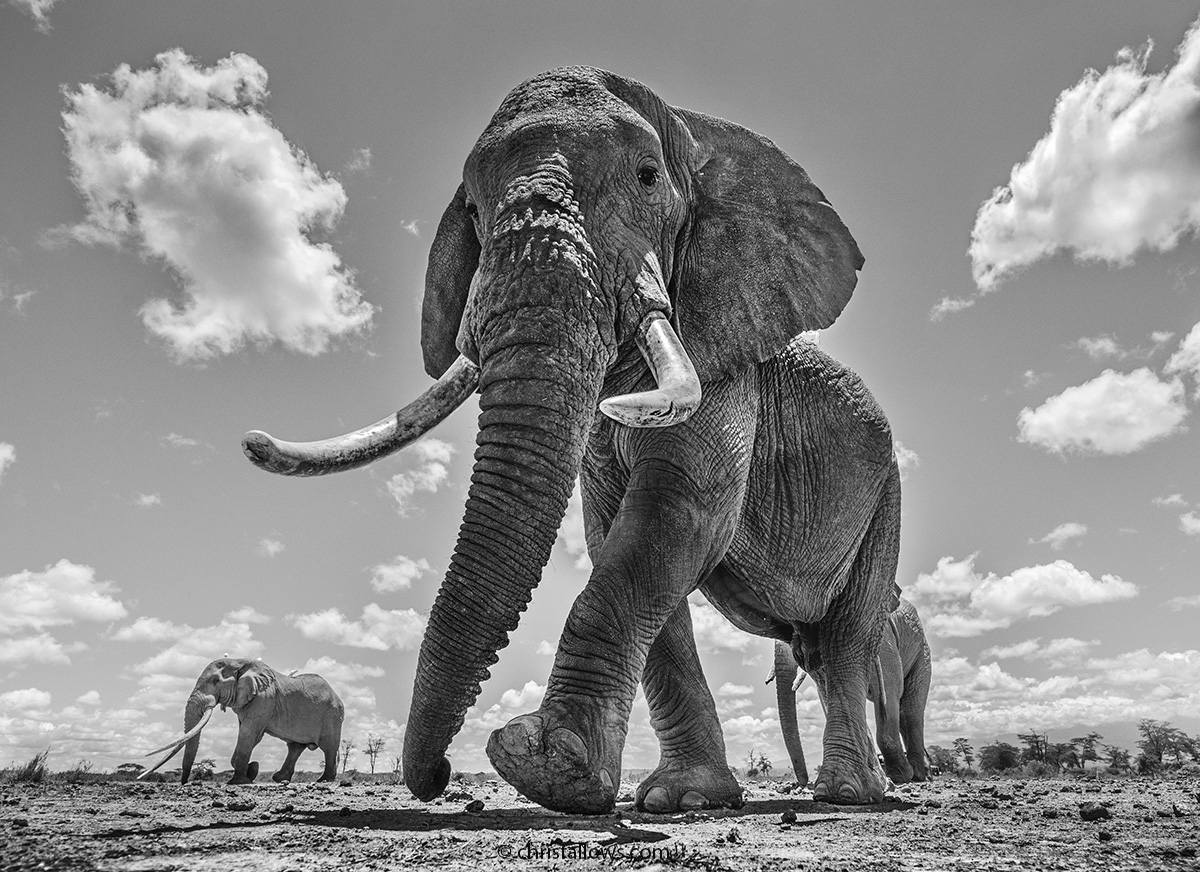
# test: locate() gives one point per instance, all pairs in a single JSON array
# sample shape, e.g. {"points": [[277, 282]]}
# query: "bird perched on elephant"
{"points": [[899, 689], [302, 710], [624, 282]]}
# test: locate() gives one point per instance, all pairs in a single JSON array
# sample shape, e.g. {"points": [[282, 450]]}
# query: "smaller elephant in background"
{"points": [[302, 710], [899, 688]]}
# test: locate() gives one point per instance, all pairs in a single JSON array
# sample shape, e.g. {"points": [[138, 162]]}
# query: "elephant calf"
{"points": [[898, 689], [302, 710]]}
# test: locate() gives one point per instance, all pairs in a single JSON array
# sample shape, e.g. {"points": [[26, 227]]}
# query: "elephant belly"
{"points": [[822, 455]]}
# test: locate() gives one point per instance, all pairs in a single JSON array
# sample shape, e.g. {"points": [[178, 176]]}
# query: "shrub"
{"points": [[33, 772]]}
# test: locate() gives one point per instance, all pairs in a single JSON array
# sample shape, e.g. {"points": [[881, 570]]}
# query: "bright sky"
{"points": [[216, 218]]}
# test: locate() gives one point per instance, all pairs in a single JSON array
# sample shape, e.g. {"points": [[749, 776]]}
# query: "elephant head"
{"points": [[229, 683], [601, 240]]}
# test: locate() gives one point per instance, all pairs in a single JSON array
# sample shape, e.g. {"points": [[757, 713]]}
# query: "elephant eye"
{"points": [[472, 211], [648, 176]]}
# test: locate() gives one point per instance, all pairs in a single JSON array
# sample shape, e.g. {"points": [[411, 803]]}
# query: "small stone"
{"points": [[1177, 812], [1050, 813], [1090, 811], [933, 803], [344, 811], [733, 836], [240, 805], [1187, 852], [1104, 836], [788, 817], [474, 806], [989, 803]]}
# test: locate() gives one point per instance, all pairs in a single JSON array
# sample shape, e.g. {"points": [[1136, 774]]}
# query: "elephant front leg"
{"points": [[567, 755], [244, 769], [693, 772]]}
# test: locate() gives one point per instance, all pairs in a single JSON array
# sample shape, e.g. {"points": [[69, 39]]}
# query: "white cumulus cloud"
{"points": [[38, 10], [182, 161], [1186, 359], [58, 595], [379, 628], [955, 600], [1118, 172], [430, 457], [1062, 534], [399, 574], [8, 456], [1114, 413], [571, 533]]}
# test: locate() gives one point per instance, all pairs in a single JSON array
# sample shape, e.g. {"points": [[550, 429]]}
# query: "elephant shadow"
{"points": [[626, 824]]}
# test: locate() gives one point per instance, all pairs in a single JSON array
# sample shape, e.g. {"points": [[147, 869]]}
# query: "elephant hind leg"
{"points": [[693, 772], [288, 769], [912, 720], [329, 746]]}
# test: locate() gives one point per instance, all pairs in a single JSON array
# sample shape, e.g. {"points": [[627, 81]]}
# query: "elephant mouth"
{"points": [[676, 396]]}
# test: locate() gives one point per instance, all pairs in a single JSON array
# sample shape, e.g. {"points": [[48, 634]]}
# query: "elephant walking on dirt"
{"points": [[899, 689], [624, 282], [302, 710]]}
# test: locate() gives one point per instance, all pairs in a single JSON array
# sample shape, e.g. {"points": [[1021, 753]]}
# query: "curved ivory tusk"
{"points": [[678, 392], [176, 744], [800, 676], [882, 686], [370, 443]]}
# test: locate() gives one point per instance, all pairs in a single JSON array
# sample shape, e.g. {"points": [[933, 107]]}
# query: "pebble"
{"points": [[788, 817], [1091, 811], [474, 806]]}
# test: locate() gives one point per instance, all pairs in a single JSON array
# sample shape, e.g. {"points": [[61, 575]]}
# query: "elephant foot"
{"points": [[281, 777], [688, 788], [900, 773], [248, 778], [550, 764], [849, 785]]}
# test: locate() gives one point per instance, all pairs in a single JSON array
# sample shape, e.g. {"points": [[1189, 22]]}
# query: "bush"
{"points": [[80, 774], [33, 772], [1038, 769]]}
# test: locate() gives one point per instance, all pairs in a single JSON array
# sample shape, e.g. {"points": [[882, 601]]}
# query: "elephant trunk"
{"points": [[785, 674], [198, 705], [537, 403]]}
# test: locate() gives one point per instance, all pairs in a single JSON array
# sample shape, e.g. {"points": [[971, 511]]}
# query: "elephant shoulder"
{"points": [[828, 392]]}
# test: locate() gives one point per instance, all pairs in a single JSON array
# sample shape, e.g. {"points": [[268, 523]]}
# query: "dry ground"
{"points": [[985, 824]]}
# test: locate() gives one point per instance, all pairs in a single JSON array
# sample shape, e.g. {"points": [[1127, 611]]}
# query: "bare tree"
{"points": [[347, 747], [962, 748], [374, 746]]}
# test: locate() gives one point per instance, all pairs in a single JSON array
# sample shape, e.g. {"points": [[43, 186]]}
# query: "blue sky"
{"points": [[1022, 178]]}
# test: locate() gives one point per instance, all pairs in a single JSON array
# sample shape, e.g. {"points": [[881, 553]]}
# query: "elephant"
{"points": [[899, 689], [302, 710], [625, 284]]}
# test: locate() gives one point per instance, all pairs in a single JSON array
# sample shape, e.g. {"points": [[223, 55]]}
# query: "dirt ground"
{"points": [[984, 824]]}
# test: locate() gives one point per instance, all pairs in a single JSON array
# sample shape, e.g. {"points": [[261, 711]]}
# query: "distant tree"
{"points": [[205, 769], [962, 748], [374, 747], [1118, 758], [757, 764], [1035, 746], [1063, 755], [1087, 748], [943, 759], [999, 757], [130, 770], [397, 770], [347, 748], [1161, 744]]}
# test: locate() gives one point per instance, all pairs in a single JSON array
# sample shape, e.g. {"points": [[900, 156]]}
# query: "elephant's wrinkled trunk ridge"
{"points": [[370, 443]]}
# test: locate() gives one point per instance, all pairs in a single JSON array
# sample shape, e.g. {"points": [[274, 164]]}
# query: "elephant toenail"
{"points": [[566, 744], [519, 736], [692, 800], [848, 793], [606, 779], [657, 801]]}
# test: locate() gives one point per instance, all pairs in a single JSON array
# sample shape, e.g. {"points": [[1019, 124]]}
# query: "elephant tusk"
{"points": [[678, 391], [370, 443], [800, 676], [176, 745]]}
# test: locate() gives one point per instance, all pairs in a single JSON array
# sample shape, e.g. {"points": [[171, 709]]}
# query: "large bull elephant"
{"points": [[899, 689], [302, 710], [608, 252]]}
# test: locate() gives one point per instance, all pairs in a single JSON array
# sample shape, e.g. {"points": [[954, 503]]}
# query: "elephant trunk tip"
{"points": [[432, 785]]}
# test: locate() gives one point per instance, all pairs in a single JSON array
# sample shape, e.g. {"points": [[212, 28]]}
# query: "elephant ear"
{"points": [[251, 679], [453, 258], [764, 255]]}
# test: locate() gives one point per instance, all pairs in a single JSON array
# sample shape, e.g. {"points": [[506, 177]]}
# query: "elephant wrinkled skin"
{"points": [[302, 710], [608, 251], [899, 689]]}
